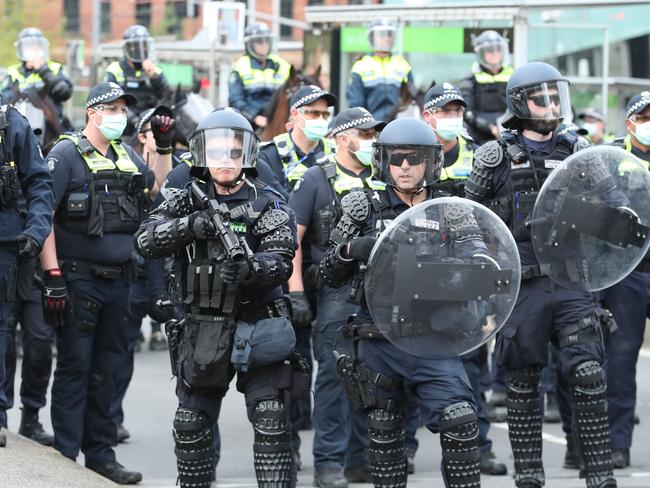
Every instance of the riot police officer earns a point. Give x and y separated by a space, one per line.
21 169
36 70
339 432
507 176
408 159
375 80
443 110
484 89
242 241
138 74
628 300
256 75
101 189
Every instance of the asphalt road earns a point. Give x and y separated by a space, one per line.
150 405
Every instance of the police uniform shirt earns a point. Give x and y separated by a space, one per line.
70 173
269 155
312 193
451 156
35 182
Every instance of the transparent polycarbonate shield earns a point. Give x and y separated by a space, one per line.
443 278
589 226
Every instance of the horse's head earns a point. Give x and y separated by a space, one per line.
188 113
277 111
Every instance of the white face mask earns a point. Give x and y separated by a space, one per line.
642 133
364 153
449 128
591 128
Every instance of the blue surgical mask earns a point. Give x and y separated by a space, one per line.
364 154
642 133
112 126
315 130
449 128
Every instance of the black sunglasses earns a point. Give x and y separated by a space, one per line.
397 159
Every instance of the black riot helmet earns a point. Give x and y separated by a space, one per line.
407 139
491 48
138 44
538 98
31 45
258 40
225 138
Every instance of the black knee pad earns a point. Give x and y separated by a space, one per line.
525 425
272 453
194 448
459 440
387 457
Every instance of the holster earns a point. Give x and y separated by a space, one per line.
173 330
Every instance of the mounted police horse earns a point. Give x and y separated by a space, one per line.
277 111
41 113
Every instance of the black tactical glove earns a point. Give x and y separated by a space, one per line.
162 127
160 309
236 272
55 292
27 247
360 248
59 90
200 224
301 315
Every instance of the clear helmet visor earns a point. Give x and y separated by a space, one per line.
259 46
493 54
33 49
546 101
382 38
407 167
139 49
224 148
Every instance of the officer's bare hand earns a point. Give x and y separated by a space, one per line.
489 325
149 68
261 121
495 131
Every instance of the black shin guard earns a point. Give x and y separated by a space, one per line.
590 404
194 449
386 454
525 425
459 441
272 446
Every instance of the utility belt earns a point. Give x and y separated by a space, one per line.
124 271
531 271
360 383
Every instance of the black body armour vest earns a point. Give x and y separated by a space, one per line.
528 172
490 97
203 290
112 201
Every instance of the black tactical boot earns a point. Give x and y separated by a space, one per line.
3 439
117 473
122 434
621 458
31 428
489 464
